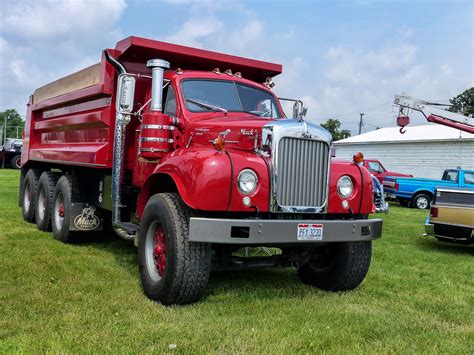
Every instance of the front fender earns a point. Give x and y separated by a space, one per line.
201 176
361 200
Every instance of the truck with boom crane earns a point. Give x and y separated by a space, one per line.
188 154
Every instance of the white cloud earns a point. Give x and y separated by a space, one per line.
43 40
52 19
194 30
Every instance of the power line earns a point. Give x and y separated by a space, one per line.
366 109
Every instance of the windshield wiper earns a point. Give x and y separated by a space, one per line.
209 106
266 113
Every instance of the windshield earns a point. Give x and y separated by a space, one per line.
212 95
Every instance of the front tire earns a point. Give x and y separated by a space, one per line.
173 270
337 266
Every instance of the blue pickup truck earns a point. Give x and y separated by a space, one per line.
419 193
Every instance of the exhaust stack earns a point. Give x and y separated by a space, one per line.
125 230
158 67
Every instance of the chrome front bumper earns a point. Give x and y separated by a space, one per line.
273 232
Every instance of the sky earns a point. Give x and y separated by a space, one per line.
339 57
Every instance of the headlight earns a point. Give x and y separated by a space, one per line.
345 186
247 181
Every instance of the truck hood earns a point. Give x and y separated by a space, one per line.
244 131
241 131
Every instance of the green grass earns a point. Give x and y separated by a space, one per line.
417 297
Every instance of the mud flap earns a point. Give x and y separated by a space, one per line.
85 218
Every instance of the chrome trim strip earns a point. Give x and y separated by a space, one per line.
153 150
156 139
461 190
156 126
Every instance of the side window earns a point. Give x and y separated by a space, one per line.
451 175
170 103
375 167
469 178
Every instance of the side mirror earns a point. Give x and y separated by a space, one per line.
125 94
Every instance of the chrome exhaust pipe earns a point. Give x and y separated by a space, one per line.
158 67
117 165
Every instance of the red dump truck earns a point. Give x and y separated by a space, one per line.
188 153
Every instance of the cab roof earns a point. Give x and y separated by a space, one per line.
139 50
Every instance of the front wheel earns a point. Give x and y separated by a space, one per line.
337 266
173 270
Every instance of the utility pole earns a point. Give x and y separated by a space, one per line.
360 122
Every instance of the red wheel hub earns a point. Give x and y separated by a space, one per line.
159 251
61 210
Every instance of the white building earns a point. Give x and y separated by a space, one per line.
423 151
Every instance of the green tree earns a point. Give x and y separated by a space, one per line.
333 126
13 120
463 102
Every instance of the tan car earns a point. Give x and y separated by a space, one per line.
452 216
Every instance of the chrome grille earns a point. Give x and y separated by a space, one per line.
302 172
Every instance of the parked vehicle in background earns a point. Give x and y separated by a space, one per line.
419 193
10 153
379 196
452 216
192 163
378 170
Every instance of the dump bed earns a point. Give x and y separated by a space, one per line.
71 120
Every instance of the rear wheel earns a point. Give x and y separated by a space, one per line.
28 192
15 162
337 266
173 270
44 200
403 202
421 201
61 209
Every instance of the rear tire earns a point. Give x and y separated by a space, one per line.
28 193
404 202
61 210
421 201
173 270
15 162
337 266
44 200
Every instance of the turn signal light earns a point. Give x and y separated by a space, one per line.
219 144
358 158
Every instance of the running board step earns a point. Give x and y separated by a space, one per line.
126 230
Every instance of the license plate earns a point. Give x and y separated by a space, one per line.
310 232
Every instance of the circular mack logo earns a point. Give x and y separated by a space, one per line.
87 220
